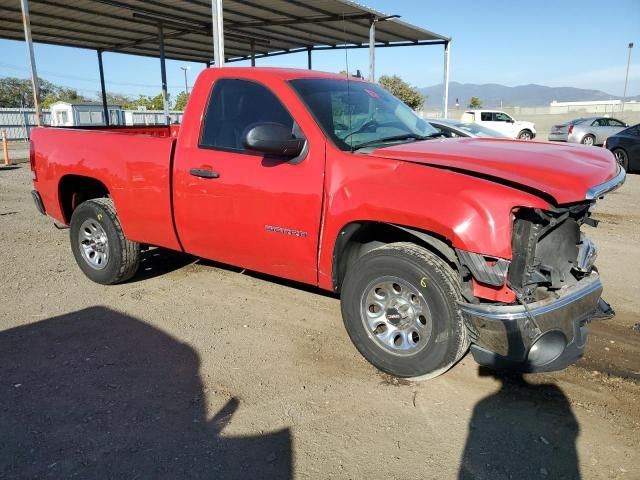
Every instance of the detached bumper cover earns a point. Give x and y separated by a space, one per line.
546 335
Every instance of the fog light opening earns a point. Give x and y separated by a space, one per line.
547 348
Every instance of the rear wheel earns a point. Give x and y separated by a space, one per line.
399 306
99 245
525 135
622 158
588 140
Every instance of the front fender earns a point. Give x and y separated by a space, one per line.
473 214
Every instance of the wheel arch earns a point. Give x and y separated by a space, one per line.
75 189
361 236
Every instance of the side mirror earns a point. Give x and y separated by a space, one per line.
272 139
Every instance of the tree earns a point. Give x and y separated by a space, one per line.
150 103
181 101
62 94
401 89
475 102
127 103
16 92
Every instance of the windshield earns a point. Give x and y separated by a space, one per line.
478 130
355 114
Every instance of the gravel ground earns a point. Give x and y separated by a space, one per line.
195 369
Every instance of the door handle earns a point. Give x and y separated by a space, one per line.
204 173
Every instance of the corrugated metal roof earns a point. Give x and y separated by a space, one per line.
273 26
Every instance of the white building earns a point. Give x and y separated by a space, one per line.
83 114
597 106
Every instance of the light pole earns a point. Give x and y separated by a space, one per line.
626 78
186 85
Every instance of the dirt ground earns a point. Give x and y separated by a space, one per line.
195 369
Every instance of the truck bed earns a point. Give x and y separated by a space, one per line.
134 162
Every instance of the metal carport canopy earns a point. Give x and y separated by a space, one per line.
187 30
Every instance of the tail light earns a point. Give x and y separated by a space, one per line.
570 129
32 161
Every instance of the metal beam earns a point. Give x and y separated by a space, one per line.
217 31
252 44
445 96
163 74
341 47
35 84
309 57
372 50
105 108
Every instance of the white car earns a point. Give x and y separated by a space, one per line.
501 122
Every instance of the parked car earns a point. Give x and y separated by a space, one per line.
588 131
625 146
432 244
455 128
501 122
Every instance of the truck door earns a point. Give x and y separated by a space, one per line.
488 119
504 123
243 208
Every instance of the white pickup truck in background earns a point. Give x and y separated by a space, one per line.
501 122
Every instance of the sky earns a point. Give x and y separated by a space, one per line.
576 43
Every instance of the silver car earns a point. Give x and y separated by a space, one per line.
456 128
588 130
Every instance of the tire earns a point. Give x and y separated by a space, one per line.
98 243
622 158
588 140
373 309
525 135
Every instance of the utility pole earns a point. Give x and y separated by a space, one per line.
186 85
626 78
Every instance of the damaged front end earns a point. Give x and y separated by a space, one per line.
557 292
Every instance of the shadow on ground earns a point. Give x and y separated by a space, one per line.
160 261
98 394
522 431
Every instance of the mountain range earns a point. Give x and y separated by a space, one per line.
532 95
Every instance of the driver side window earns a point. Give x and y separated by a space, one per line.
234 106
503 117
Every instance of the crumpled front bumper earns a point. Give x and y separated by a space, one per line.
544 336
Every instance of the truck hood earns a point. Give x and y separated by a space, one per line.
563 172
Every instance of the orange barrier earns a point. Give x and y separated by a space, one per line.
5 147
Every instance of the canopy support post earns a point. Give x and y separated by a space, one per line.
35 83
105 108
372 50
217 30
445 95
309 57
253 52
163 75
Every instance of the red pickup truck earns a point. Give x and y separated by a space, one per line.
433 244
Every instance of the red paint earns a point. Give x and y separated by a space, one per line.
421 185
498 294
565 172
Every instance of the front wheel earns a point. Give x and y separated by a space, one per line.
525 135
98 243
622 158
399 306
